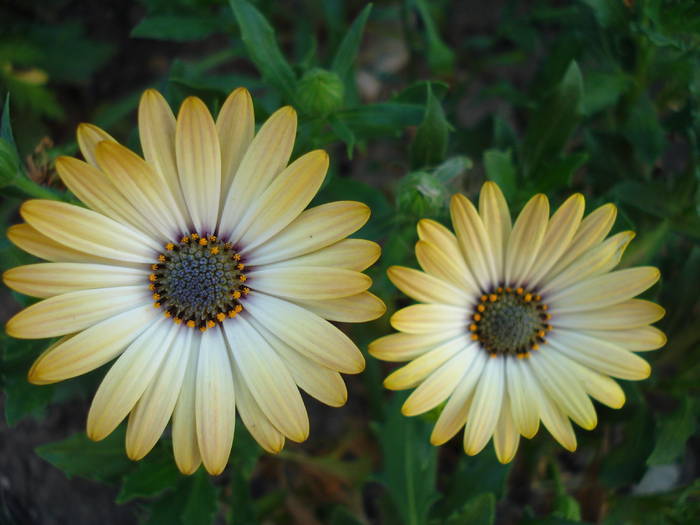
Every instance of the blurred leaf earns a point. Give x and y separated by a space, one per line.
344 133
409 463
440 57
23 399
193 501
499 168
382 119
9 163
644 131
179 28
607 13
154 474
558 173
261 44
565 506
479 510
79 456
673 432
342 516
430 143
245 455
346 54
415 93
6 125
553 121
475 475
603 90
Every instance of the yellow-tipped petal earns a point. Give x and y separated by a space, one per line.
493 209
235 125
526 239
308 282
426 288
359 308
89 136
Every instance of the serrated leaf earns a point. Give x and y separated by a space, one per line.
154 474
409 463
79 456
430 144
553 121
260 42
499 168
347 51
673 432
175 27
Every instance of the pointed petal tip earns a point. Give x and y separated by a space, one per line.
187 468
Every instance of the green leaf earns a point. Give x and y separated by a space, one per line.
558 173
6 125
380 120
553 121
246 453
9 163
179 28
479 510
603 90
342 516
499 168
474 475
153 474
410 463
430 144
200 505
644 131
565 506
23 399
346 54
261 44
440 57
78 456
673 432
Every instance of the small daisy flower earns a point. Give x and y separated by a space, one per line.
200 270
519 323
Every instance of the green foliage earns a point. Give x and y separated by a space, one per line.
414 100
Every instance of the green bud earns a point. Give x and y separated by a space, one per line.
421 194
320 92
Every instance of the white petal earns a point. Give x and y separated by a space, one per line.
440 384
600 387
600 259
215 408
600 355
403 347
505 437
268 379
319 340
628 314
91 348
604 290
151 414
425 318
454 414
485 408
642 339
413 373
128 379
184 427
74 311
314 229
521 396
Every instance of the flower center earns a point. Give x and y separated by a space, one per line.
199 281
509 321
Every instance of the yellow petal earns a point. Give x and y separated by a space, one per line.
89 136
526 239
486 407
264 159
493 209
628 314
505 438
560 231
593 229
426 288
308 282
198 163
475 244
642 339
235 125
314 229
49 279
351 254
604 290
89 231
282 201
403 347
358 308
425 318
454 271
74 311
184 427
215 409
521 390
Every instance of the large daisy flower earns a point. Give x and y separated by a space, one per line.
201 270
519 322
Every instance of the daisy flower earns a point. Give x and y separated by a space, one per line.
200 270
519 323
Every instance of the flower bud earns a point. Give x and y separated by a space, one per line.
421 194
320 92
